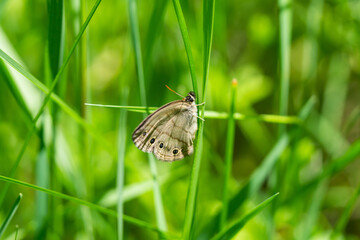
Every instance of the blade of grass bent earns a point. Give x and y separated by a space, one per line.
135 37
232 230
66 108
94 206
229 149
10 215
47 98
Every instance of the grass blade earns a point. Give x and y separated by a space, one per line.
121 164
216 115
135 37
310 51
186 39
337 84
229 149
285 19
10 215
312 214
15 90
55 11
42 203
232 230
208 24
155 25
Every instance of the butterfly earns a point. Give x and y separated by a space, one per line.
169 132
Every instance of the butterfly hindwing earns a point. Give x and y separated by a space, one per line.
169 131
176 140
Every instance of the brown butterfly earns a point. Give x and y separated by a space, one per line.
169 132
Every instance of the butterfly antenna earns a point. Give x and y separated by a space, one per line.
174 91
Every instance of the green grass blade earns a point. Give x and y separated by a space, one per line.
55 13
96 207
155 25
135 37
41 200
208 29
346 214
121 163
310 50
336 85
12 212
215 115
232 230
285 19
15 91
208 23
229 149
186 39
47 98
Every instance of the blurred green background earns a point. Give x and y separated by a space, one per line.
311 157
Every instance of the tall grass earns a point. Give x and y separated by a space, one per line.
280 163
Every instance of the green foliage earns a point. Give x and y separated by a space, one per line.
76 78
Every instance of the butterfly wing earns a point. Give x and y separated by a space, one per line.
151 126
176 139
174 125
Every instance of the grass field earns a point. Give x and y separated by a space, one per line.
277 156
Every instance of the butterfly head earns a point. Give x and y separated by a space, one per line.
190 97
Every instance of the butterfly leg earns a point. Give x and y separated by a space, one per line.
199 117
200 104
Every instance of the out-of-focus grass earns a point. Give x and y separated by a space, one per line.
228 154
134 26
296 118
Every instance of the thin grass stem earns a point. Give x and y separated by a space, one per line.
135 37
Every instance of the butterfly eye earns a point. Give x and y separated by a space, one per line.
152 140
175 151
161 145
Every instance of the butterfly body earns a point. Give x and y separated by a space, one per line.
169 131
